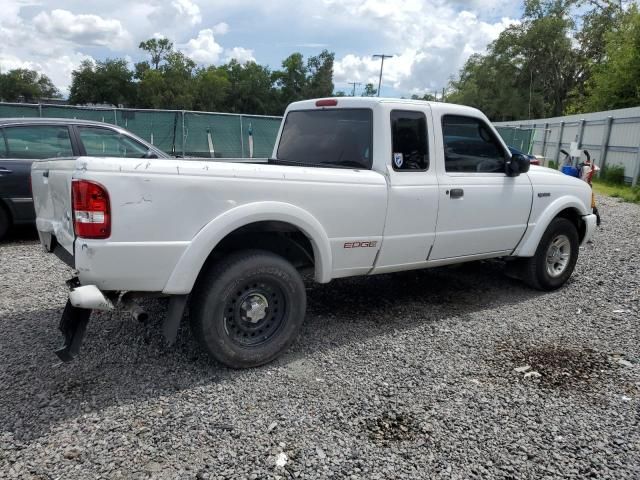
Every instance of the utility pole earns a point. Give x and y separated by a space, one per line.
353 94
381 56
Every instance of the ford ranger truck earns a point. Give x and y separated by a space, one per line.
355 186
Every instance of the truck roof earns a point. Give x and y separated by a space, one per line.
364 102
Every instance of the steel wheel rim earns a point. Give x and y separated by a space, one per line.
558 255
255 312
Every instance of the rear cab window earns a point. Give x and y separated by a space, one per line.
340 138
38 141
410 151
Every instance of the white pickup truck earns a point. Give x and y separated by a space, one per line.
356 186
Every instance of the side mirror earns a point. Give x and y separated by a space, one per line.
516 165
150 154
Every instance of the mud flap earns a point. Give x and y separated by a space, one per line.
73 326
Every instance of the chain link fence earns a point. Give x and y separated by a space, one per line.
176 132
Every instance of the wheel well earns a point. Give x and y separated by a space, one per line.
574 217
281 238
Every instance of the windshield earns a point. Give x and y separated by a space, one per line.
330 138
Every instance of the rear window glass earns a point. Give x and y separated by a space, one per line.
327 138
38 141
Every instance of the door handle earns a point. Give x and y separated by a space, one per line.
5 171
456 193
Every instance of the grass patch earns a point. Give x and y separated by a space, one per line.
624 192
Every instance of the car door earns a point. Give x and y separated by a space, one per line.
22 145
482 211
412 205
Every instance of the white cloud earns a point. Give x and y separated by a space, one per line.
221 28
81 29
430 42
203 49
242 55
430 39
188 9
58 69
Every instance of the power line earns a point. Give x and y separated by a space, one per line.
381 56
354 87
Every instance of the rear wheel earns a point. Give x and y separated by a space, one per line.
555 257
5 222
248 308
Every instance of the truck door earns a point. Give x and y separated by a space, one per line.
482 210
412 193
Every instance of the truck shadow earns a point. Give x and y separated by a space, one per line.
20 233
124 362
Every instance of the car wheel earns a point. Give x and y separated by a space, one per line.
555 257
247 309
5 222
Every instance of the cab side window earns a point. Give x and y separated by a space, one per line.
38 141
410 150
470 146
103 142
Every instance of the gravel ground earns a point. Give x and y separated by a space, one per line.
410 375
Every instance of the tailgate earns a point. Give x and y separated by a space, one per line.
51 185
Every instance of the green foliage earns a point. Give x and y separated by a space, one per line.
546 66
613 174
158 49
616 79
109 82
528 70
27 85
369 91
171 80
250 89
623 192
552 164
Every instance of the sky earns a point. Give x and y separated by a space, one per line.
430 39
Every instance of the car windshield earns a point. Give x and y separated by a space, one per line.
330 138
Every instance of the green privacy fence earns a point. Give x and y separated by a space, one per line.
520 138
177 132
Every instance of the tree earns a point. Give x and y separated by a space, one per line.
528 71
171 86
211 89
28 85
250 89
291 81
369 91
596 24
109 81
158 49
616 80
319 82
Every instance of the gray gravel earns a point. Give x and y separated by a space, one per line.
398 376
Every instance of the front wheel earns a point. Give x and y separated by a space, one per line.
555 257
248 308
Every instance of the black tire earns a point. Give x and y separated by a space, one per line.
247 309
5 222
537 270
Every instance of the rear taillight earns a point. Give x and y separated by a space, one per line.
91 209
